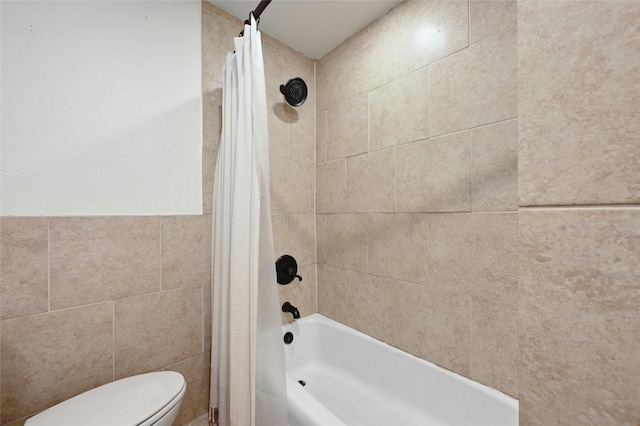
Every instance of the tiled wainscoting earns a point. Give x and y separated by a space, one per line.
88 300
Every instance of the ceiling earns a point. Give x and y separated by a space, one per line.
313 27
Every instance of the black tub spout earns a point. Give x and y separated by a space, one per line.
288 307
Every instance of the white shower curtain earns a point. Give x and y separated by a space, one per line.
248 384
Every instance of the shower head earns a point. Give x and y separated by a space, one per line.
295 91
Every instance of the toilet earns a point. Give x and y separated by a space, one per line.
142 400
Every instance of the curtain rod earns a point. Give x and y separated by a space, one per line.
257 12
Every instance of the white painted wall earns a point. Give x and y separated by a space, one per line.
100 108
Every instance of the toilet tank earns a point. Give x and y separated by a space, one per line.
133 401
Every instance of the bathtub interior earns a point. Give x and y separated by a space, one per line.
361 381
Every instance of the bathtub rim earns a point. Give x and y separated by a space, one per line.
495 394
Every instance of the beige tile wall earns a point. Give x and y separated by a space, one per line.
493 245
578 84
98 300
87 300
417 224
555 324
579 316
579 179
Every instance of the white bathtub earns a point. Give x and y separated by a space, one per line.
353 379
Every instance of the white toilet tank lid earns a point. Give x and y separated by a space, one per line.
125 402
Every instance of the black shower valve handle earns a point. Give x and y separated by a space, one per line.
293 273
286 269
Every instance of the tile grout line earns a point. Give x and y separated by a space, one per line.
367 246
475 295
470 172
315 180
113 340
468 23
582 207
469 45
344 94
396 36
326 137
470 335
395 179
429 107
368 123
160 252
346 193
288 156
469 129
202 318
431 137
48 264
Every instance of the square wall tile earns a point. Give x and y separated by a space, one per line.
206 318
399 111
331 192
434 175
276 67
475 86
371 185
331 79
291 187
220 13
195 402
372 305
186 251
48 358
321 238
212 115
371 56
217 40
100 258
321 137
280 228
302 238
331 293
300 65
494 167
579 322
397 246
475 253
302 134
283 63
279 116
579 98
487 18
347 129
209 159
24 276
428 31
494 345
155 330
434 324
347 241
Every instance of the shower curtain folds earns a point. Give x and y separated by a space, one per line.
248 384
